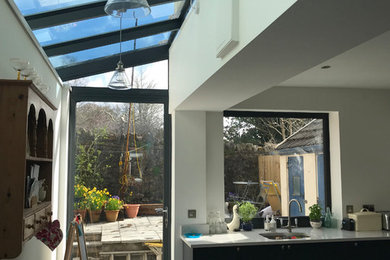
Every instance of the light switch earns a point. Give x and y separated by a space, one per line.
192 213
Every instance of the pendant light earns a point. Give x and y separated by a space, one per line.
124 9
127 8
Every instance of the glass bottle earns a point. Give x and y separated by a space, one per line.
220 224
328 218
212 222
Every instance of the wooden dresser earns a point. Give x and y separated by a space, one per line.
26 141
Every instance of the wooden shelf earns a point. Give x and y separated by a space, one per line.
40 206
38 159
27 116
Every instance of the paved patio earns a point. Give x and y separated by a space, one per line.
130 230
106 239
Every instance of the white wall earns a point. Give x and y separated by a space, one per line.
215 162
360 171
197 169
193 53
17 43
188 173
62 177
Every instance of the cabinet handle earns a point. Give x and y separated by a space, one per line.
44 218
283 247
49 213
38 221
355 244
29 226
288 247
238 249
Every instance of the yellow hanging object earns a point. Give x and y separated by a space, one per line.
135 146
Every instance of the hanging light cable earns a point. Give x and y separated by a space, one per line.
119 80
124 9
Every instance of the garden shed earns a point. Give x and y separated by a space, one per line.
297 165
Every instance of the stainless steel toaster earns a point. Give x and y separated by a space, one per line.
385 220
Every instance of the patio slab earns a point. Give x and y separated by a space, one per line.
136 230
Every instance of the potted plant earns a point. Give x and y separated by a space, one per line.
112 207
80 203
96 200
315 216
247 211
131 208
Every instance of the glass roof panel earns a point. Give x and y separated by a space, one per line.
28 7
108 50
99 25
150 76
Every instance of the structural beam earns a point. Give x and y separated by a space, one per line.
112 37
183 13
74 14
107 64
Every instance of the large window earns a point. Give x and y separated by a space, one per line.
271 158
119 150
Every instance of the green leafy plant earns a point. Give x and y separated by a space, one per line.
90 163
114 203
247 211
315 212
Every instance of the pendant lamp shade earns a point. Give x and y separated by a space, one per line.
119 80
127 8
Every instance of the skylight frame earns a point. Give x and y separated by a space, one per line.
101 65
75 13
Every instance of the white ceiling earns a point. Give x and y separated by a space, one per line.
352 36
365 66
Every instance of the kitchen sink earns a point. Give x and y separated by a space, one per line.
284 235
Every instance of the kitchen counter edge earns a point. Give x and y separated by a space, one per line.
250 238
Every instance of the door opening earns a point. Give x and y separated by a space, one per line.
120 161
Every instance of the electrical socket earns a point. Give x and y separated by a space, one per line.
192 213
349 209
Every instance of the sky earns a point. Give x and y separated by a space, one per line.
156 73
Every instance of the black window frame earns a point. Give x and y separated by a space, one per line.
326 143
100 94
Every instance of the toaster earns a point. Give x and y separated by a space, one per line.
385 220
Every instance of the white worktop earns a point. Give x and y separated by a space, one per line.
246 238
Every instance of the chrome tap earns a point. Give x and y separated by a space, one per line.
289 227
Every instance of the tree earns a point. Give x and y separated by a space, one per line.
149 134
90 164
261 130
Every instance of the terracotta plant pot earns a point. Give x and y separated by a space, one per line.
132 210
94 215
111 215
82 212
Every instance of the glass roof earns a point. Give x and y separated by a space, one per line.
109 50
67 24
151 76
28 7
104 24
